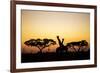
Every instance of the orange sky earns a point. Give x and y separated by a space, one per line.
49 24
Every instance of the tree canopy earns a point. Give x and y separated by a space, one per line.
40 43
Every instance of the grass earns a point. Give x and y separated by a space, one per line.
45 57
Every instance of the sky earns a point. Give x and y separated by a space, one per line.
48 24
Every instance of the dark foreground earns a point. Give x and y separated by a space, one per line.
44 57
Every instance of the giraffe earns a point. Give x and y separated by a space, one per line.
60 42
61 47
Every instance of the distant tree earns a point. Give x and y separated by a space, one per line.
72 44
80 44
40 43
83 43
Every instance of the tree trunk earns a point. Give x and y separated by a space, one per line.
39 49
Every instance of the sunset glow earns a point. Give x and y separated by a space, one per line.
49 24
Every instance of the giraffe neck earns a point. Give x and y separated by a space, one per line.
60 42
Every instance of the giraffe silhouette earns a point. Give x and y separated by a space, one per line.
61 48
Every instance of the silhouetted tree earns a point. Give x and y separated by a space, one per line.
72 44
83 43
79 44
40 43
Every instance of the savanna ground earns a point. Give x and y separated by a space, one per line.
44 57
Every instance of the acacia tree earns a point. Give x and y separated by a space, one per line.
79 43
40 43
83 43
